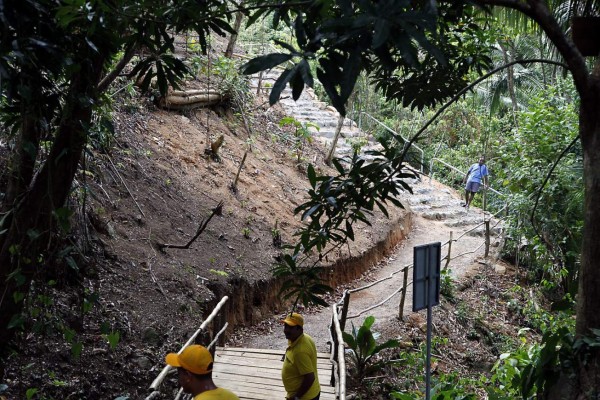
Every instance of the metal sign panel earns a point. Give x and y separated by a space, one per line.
426 275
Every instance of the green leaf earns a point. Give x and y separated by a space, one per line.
279 85
76 349
286 46
17 321
264 62
30 393
312 175
310 211
349 230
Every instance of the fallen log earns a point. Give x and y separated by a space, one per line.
188 101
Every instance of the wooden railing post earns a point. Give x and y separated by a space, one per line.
341 362
345 304
403 297
259 85
449 252
487 237
334 345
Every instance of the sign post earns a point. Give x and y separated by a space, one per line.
426 292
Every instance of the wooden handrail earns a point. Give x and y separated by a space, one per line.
341 383
165 370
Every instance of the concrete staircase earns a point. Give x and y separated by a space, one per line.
308 109
430 199
435 201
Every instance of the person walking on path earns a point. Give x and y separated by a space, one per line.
477 173
194 366
299 371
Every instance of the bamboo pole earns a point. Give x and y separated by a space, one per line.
336 136
334 348
166 369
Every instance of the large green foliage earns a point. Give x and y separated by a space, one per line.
548 213
418 52
55 62
363 349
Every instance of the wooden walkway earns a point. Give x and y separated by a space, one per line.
255 374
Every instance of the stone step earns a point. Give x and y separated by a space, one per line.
308 109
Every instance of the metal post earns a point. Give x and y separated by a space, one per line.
428 360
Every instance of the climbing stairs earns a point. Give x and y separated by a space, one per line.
309 109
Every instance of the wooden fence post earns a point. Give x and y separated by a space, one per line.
449 251
403 297
345 305
487 237
259 84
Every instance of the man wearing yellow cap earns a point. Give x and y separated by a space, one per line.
299 371
194 365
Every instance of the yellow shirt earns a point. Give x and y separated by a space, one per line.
300 359
217 394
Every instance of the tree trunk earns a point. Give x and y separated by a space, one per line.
510 79
22 164
338 131
588 299
29 233
236 27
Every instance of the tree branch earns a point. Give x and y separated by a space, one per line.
203 224
539 12
112 75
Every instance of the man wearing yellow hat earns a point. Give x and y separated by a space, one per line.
299 371
194 365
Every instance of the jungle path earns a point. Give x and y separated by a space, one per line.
437 212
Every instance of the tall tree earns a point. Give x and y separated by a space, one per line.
55 61
587 384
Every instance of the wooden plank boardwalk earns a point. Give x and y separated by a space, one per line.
255 374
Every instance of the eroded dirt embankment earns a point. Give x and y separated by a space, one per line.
251 302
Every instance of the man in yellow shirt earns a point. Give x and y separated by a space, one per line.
299 371
194 365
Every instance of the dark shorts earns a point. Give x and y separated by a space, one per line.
472 186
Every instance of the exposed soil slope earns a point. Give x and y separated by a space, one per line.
157 186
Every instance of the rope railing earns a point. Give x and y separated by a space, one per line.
407 267
361 113
458 171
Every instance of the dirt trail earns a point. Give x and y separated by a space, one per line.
437 212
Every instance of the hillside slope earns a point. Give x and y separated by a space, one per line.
158 186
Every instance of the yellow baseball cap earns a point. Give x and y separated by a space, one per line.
293 319
195 358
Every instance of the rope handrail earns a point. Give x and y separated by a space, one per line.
457 170
380 280
395 134
376 305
